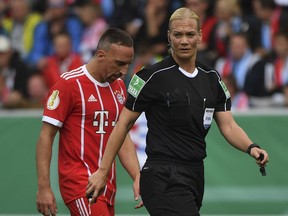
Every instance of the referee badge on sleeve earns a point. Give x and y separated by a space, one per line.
227 93
135 85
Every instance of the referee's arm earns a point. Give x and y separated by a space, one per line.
237 137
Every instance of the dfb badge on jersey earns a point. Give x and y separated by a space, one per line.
53 100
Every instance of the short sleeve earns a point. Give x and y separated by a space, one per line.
59 103
141 91
223 98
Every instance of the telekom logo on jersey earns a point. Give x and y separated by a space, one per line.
101 121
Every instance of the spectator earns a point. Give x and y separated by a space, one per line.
37 91
126 15
57 19
239 60
94 26
283 3
246 7
267 82
271 19
3 10
21 25
14 74
154 26
63 60
107 7
239 99
39 5
228 16
231 20
3 6
207 21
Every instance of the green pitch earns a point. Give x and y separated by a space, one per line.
234 185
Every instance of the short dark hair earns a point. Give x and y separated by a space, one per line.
114 36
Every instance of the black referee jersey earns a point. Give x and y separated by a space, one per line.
179 108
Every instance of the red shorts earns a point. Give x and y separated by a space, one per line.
81 207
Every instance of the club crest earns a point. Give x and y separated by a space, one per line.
120 97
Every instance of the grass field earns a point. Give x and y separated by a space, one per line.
234 185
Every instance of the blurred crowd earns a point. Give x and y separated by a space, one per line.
246 41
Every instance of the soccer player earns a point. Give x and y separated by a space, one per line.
84 106
180 98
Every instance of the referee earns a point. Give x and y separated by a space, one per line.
180 98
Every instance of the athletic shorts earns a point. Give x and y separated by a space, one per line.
171 189
81 207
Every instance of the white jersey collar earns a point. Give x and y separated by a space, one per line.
92 78
190 75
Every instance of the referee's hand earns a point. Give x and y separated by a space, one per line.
96 185
261 161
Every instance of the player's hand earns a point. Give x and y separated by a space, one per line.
46 202
255 152
136 189
96 185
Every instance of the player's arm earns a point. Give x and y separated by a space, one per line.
98 179
129 160
128 157
46 202
237 137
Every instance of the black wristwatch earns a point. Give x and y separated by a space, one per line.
253 145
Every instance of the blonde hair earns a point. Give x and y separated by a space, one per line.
184 13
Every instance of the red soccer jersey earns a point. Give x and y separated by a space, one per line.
86 112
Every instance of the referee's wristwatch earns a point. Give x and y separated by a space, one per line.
253 145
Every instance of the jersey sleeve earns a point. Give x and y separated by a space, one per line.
223 98
141 91
59 103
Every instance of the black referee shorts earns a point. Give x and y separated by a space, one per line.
172 189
